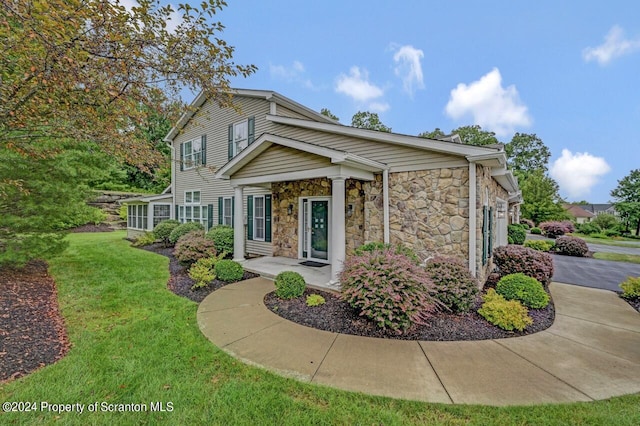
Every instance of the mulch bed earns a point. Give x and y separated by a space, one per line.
337 316
101 227
32 331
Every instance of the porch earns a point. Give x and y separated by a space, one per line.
270 266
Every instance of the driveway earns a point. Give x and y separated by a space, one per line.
593 273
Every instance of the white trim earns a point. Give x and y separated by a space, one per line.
194 163
223 213
337 252
238 224
302 232
472 220
233 136
306 174
264 217
385 205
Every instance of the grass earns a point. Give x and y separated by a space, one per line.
618 241
617 257
135 342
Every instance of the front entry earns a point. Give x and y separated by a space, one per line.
315 228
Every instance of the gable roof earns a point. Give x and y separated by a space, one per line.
577 211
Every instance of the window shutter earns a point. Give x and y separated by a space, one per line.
209 216
250 217
233 210
267 218
204 149
484 234
230 151
251 124
181 157
177 216
220 210
490 251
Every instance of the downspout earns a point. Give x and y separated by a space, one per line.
472 218
173 180
385 206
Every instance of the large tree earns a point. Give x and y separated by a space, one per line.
470 135
627 199
368 120
527 153
542 201
327 113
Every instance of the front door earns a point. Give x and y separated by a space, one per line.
315 227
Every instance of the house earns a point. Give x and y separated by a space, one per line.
598 209
294 183
578 212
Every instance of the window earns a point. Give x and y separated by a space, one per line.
241 135
192 211
258 218
161 212
137 216
227 216
192 153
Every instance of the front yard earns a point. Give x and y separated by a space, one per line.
134 342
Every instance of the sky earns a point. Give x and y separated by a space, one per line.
567 71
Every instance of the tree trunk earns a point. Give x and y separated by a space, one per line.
638 228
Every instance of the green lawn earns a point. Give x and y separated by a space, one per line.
617 257
135 342
620 242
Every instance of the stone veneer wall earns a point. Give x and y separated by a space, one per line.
484 181
428 211
285 226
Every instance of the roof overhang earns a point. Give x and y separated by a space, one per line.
146 199
506 179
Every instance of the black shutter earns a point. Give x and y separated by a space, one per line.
490 251
267 218
177 217
251 124
209 216
220 210
204 149
233 210
230 150
250 217
181 157
485 229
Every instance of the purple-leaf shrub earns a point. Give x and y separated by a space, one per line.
192 247
556 229
527 222
455 287
571 246
512 259
388 288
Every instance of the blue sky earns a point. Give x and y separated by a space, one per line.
567 71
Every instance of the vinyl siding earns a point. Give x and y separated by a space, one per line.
399 158
272 161
286 112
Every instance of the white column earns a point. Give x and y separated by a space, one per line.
338 237
472 219
238 225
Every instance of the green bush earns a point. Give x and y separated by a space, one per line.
631 288
202 273
192 247
589 228
517 234
229 270
184 229
611 232
529 223
539 245
222 237
389 288
525 289
399 249
454 285
536 231
289 285
315 300
599 236
163 230
571 246
144 239
506 314
605 221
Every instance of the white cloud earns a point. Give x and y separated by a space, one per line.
409 68
492 106
378 106
614 46
174 19
578 173
293 73
356 85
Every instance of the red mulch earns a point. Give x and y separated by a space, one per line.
32 331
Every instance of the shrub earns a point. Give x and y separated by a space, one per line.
536 231
539 245
527 222
454 285
525 289
605 221
398 249
611 232
184 229
517 234
144 239
631 288
202 272
506 314
163 230
229 270
315 300
388 288
589 228
222 237
571 246
568 226
514 259
555 229
192 247
289 285
599 235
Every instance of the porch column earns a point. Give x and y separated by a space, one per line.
338 238
238 224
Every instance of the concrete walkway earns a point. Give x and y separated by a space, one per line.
591 352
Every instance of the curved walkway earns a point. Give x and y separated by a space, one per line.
591 352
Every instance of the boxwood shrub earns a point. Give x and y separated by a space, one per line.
228 270
289 285
506 314
454 285
517 234
536 231
222 237
631 288
513 259
571 246
539 245
184 229
163 230
525 289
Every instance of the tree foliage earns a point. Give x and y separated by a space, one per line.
627 199
527 153
542 201
93 70
435 134
368 120
327 113
470 135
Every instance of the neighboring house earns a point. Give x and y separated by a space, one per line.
598 209
297 184
145 212
579 213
